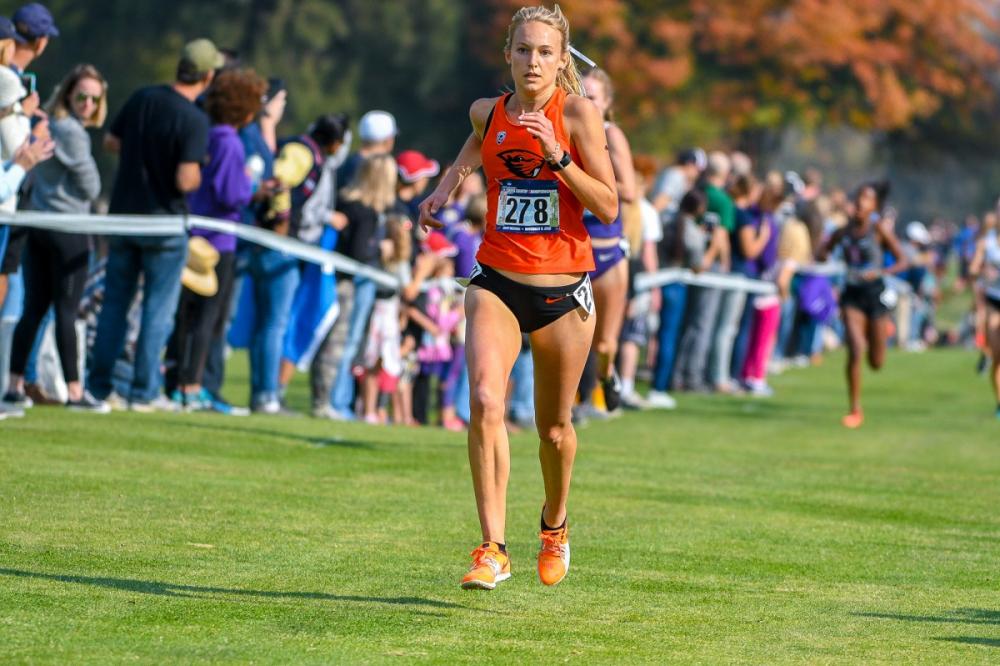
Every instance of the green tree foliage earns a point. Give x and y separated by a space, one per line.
710 72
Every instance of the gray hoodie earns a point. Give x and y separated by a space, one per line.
69 182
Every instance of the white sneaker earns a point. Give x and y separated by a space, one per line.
10 411
660 400
160 403
116 402
634 401
759 388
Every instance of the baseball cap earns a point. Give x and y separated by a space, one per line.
34 20
11 88
201 57
917 232
414 165
8 31
377 126
437 243
694 156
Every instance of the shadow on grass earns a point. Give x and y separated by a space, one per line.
976 616
972 640
334 440
194 591
957 616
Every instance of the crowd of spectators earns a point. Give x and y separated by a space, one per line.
145 322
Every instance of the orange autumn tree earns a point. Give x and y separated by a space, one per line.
760 64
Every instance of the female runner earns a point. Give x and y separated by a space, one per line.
986 266
545 158
866 301
610 277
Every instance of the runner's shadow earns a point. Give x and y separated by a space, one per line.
976 616
334 440
198 592
972 640
957 616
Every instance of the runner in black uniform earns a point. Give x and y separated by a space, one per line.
866 299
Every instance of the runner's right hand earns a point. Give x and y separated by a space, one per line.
428 207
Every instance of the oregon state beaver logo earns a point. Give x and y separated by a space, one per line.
522 163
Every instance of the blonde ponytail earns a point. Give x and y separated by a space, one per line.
569 78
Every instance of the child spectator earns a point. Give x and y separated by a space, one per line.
383 360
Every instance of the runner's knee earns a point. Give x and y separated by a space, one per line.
606 347
554 434
487 405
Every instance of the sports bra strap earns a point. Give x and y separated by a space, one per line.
489 118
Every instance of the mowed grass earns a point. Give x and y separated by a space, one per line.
730 531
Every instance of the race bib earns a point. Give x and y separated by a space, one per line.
464 282
528 207
584 297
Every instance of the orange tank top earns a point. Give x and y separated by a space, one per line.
534 222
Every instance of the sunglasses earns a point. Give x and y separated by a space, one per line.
83 97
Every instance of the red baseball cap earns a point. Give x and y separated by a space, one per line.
437 243
414 165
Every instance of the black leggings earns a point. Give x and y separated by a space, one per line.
55 272
199 320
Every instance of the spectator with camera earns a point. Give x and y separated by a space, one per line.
19 156
56 263
24 38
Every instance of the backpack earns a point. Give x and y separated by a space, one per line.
815 297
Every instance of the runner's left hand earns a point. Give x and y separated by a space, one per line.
541 128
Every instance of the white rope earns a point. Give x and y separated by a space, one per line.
645 281
174 225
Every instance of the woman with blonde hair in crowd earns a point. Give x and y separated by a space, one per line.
543 151
56 262
758 241
365 202
382 356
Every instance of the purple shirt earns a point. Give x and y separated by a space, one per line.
467 241
225 186
769 255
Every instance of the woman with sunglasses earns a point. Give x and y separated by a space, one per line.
55 267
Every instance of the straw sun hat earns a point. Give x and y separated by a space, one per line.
199 273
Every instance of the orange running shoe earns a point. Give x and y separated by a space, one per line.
553 558
853 420
490 566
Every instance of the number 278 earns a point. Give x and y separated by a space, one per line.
540 210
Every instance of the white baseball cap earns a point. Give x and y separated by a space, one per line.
11 88
917 232
377 126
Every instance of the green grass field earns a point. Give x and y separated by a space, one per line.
730 531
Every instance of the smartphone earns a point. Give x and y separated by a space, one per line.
274 86
29 81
